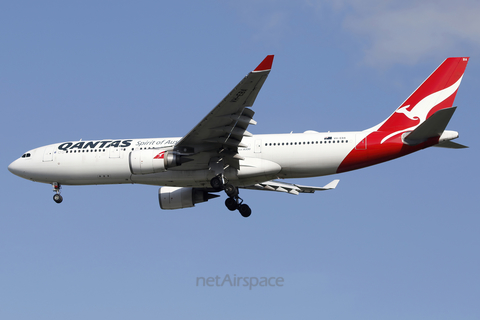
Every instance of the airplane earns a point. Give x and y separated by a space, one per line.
219 154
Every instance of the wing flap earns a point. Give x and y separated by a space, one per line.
295 189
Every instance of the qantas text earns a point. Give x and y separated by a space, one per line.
95 144
115 144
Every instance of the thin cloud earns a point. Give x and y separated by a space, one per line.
268 20
387 31
272 27
402 32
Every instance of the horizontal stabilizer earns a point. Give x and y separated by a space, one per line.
291 188
450 145
430 128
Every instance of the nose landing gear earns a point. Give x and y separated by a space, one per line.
57 197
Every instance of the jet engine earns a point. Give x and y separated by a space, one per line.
171 198
152 161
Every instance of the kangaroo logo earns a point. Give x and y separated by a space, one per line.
407 113
161 155
422 108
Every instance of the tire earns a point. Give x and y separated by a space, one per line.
216 183
57 198
245 210
230 190
231 204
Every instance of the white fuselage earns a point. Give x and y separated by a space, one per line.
220 154
266 157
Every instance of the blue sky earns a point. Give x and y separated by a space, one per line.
395 241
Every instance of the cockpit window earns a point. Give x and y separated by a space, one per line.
26 155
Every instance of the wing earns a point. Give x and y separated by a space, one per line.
291 188
220 133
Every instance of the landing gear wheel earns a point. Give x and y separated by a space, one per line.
56 188
216 183
57 198
245 210
230 190
231 204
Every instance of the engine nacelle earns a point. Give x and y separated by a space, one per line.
152 161
171 198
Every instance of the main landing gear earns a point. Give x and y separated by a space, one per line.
233 202
56 188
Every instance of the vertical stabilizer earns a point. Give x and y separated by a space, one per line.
418 123
434 94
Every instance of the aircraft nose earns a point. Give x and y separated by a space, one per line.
16 168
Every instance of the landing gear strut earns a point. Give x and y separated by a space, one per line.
233 202
56 188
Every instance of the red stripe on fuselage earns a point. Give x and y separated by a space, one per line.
377 152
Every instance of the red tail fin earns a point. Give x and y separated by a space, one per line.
388 141
435 93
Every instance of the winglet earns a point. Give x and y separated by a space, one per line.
265 65
331 185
